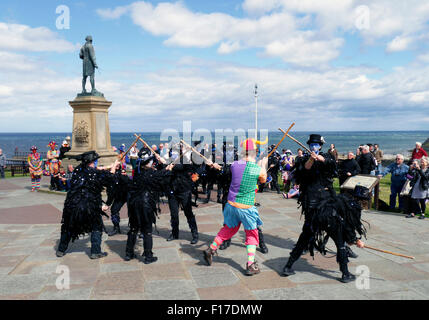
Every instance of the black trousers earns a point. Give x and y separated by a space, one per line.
417 206
307 235
146 230
185 200
275 181
97 231
114 211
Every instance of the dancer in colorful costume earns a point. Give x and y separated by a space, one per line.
240 208
54 165
35 164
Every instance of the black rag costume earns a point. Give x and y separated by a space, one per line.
144 191
82 208
117 195
326 214
180 194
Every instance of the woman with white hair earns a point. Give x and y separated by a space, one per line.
419 187
418 152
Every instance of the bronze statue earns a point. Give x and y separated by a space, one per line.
87 54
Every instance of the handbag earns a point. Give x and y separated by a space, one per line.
406 189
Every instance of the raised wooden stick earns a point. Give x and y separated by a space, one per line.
289 136
196 151
389 252
284 136
134 143
153 151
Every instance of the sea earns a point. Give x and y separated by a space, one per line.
391 142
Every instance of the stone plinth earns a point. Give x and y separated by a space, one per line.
91 128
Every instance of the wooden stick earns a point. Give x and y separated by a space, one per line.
284 136
196 151
389 252
153 151
134 143
289 136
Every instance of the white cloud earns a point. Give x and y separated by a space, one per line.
16 62
184 28
113 14
398 44
19 37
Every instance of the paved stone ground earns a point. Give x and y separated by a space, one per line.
29 232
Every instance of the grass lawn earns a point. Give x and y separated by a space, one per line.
384 190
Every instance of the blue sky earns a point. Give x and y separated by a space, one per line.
326 65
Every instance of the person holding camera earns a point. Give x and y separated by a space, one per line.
399 172
419 187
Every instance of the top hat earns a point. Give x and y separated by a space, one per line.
316 138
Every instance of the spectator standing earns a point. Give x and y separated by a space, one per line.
54 165
399 172
134 151
65 147
348 168
366 161
333 152
287 165
419 187
378 154
418 152
66 177
2 163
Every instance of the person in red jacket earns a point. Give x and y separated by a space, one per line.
418 152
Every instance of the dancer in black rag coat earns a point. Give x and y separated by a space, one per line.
326 214
144 189
117 196
82 211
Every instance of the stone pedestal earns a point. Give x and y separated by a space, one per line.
91 128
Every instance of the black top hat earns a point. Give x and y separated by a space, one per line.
87 157
145 156
316 138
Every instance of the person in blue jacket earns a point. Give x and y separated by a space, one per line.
399 171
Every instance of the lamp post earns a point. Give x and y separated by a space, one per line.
256 111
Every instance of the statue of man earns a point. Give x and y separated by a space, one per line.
87 54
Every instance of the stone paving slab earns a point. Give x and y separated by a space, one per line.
28 265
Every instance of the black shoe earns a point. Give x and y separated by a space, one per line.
149 258
350 253
173 237
208 255
219 200
263 248
194 238
252 269
129 256
194 204
206 200
257 204
347 277
409 216
98 255
116 230
60 254
287 271
422 216
225 245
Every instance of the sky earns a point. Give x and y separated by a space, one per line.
326 65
